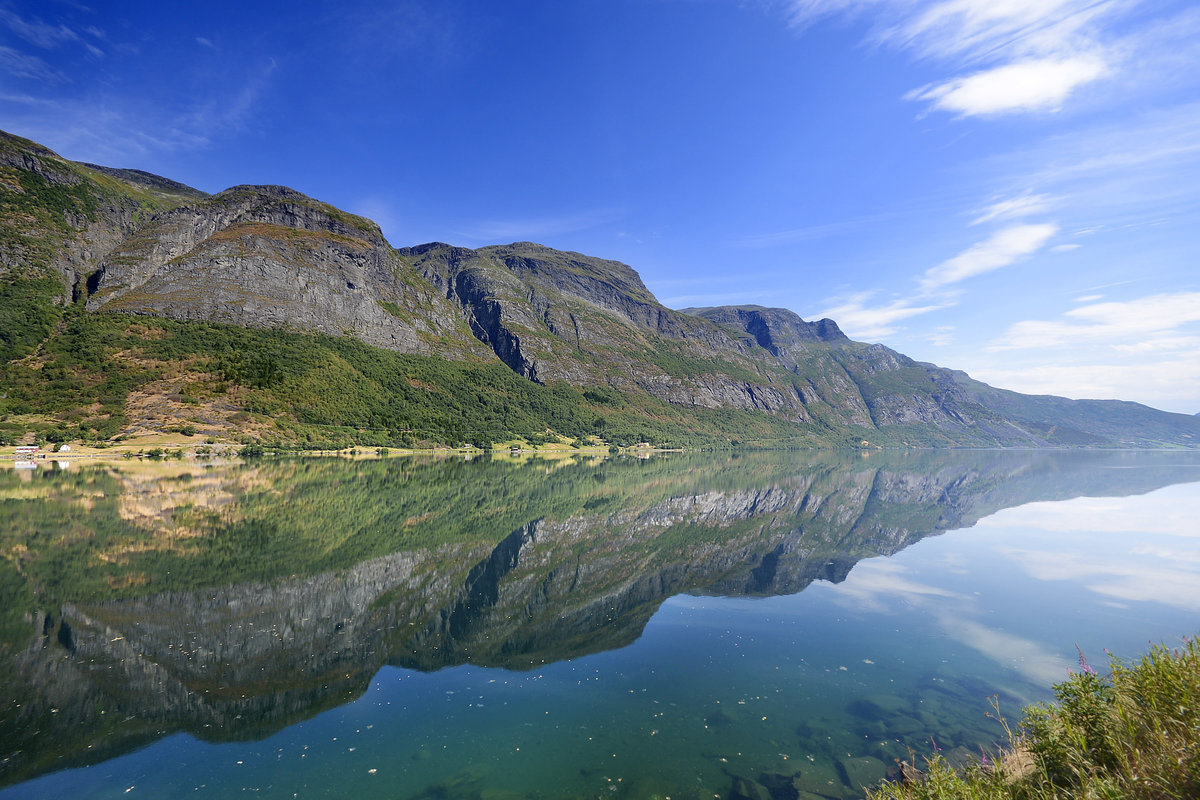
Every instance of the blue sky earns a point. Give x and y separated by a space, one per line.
1009 187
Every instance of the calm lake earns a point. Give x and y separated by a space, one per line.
684 626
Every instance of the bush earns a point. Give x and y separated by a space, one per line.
1134 733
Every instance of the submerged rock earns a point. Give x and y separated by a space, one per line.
862 771
746 789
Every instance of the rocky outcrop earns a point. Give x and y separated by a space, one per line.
560 316
268 256
780 332
63 218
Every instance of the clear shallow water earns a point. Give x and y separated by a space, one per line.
670 640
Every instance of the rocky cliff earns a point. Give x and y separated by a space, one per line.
124 241
268 256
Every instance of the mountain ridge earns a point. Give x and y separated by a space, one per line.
79 241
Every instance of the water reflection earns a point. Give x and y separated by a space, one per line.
232 601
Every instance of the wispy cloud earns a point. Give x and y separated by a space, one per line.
118 131
231 108
35 31
204 42
1001 249
1034 53
861 315
1031 85
534 228
381 211
859 318
23 65
1014 208
1116 323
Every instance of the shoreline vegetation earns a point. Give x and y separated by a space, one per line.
1131 734
160 448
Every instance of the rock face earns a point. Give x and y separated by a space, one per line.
271 257
553 315
268 256
63 218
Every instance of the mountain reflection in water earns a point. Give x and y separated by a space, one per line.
231 601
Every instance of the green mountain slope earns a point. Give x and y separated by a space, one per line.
131 303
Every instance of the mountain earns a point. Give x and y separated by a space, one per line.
154 304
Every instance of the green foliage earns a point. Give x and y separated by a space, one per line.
27 313
324 390
604 396
61 200
1134 733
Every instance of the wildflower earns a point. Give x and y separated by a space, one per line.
1083 664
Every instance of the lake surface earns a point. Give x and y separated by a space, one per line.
680 626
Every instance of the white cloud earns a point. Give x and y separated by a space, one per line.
862 321
1065 248
1031 85
1003 248
1026 55
1014 208
204 42
1116 323
1160 344
1172 384
877 584
975 28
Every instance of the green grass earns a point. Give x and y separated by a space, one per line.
1134 733
323 390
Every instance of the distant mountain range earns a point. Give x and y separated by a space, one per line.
118 290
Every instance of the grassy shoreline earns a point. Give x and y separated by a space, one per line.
1131 733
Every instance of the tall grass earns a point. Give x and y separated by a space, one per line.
1134 733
